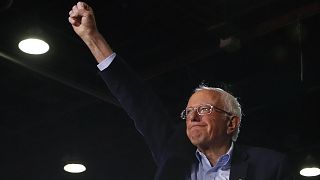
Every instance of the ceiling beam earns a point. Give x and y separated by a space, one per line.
66 82
246 34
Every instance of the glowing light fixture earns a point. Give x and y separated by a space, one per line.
33 46
310 172
74 168
310 166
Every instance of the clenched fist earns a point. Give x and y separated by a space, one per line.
82 19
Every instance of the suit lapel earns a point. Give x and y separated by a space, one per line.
239 164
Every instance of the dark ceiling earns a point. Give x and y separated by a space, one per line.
55 107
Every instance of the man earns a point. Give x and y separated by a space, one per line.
212 121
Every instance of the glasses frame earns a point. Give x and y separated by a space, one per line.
183 114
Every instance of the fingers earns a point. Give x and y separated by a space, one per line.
73 21
74 16
82 5
80 9
77 12
74 11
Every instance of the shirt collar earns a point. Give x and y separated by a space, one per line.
224 162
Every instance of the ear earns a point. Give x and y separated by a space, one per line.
233 124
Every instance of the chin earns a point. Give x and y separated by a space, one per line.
196 140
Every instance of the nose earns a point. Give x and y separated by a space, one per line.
194 117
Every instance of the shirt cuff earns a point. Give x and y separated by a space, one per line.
106 62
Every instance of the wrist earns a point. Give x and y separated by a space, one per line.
97 45
90 36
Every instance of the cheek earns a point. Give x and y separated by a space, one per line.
214 128
188 131
211 126
211 130
187 127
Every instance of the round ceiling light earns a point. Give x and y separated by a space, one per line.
74 168
33 46
310 172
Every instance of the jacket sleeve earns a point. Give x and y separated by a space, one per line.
142 105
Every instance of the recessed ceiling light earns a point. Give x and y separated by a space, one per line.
309 172
74 168
33 46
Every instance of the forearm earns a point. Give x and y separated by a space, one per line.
98 46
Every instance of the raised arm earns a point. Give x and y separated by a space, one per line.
150 116
83 22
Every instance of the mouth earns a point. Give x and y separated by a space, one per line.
197 126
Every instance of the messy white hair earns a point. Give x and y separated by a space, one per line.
231 104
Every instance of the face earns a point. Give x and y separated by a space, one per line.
210 129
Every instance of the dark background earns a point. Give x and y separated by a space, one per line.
55 107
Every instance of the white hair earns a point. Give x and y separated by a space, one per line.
231 104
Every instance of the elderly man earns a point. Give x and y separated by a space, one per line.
212 119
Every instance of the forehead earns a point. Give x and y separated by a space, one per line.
204 97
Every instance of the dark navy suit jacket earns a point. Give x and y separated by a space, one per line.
170 147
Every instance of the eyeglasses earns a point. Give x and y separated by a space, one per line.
202 110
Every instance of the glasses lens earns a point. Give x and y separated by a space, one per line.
204 109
